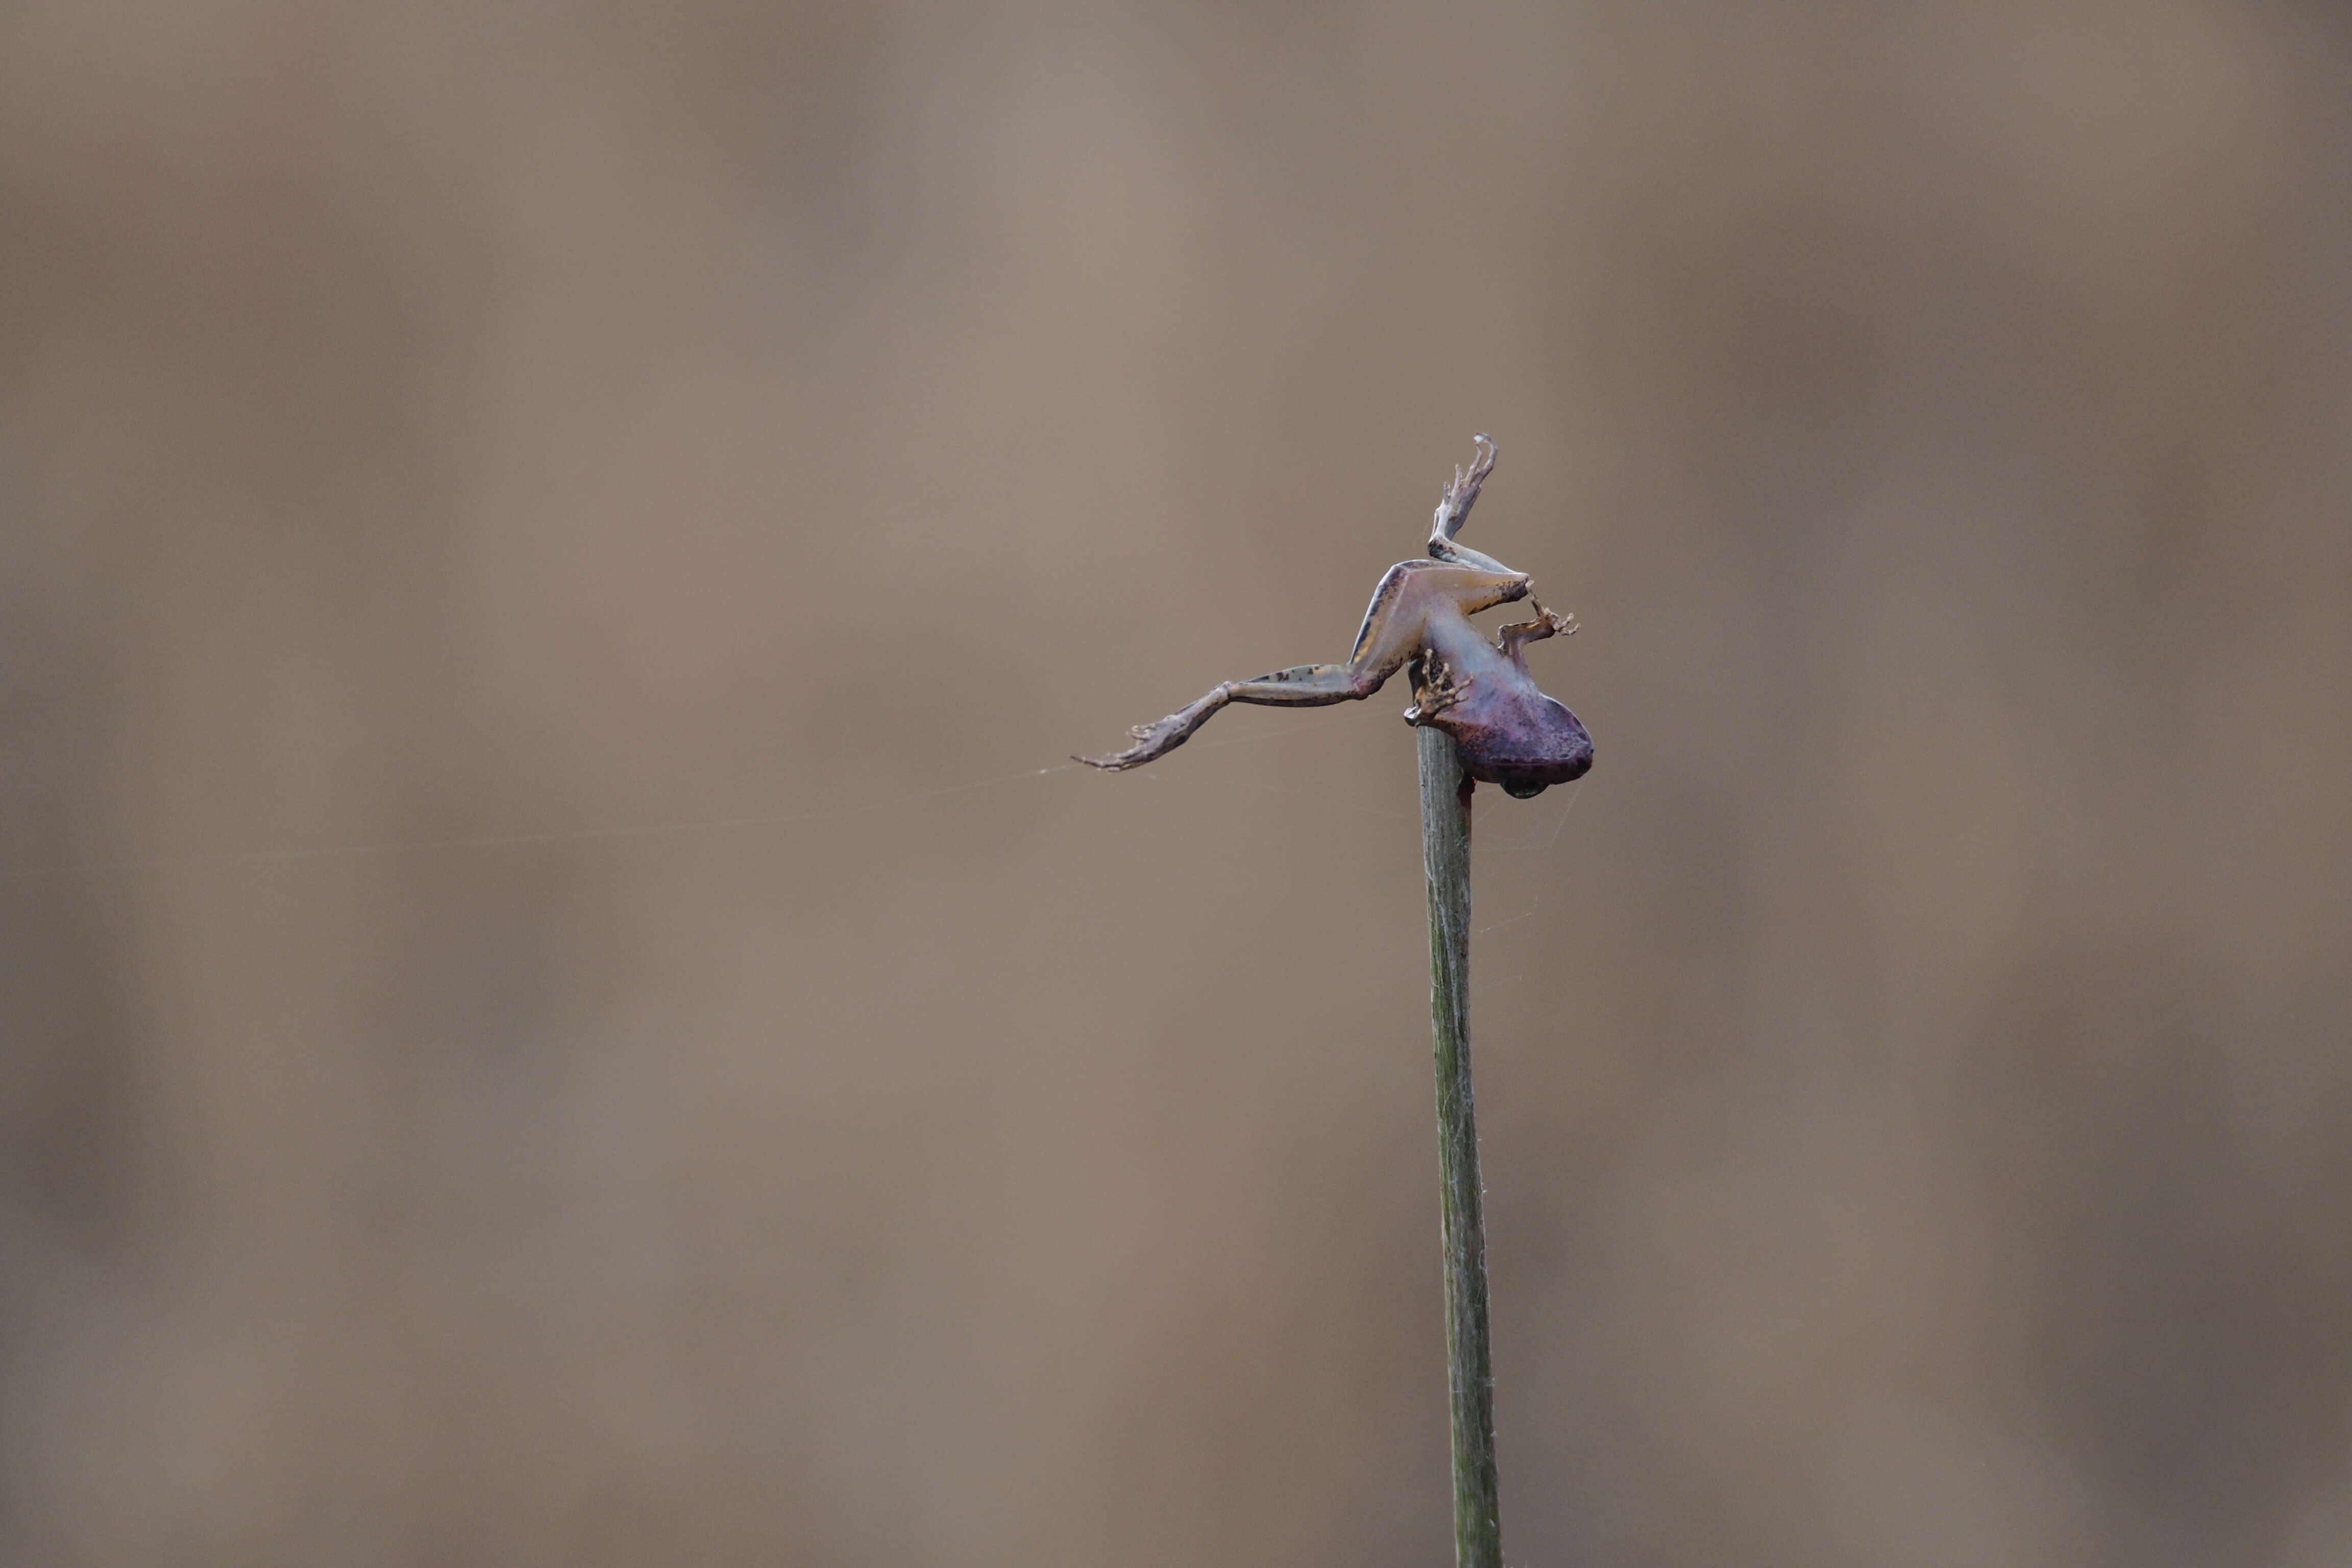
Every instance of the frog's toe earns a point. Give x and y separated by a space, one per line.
1150 740
1118 760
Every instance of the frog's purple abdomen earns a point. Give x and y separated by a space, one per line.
1511 734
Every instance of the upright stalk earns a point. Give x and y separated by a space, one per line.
1446 853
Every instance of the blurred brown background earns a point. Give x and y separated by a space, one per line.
1918 1101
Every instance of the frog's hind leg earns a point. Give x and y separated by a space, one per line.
1301 686
1410 593
1389 636
1454 511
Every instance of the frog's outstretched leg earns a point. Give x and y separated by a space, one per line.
1513 639
1301 686
1390 634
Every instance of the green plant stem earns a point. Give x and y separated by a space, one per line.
1446 853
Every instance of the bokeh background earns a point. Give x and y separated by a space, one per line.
560 1008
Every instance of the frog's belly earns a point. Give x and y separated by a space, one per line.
1523 741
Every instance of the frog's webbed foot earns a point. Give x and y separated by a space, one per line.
1453 510
1155 740
1513 639
1454 505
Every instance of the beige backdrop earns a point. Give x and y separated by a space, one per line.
761 441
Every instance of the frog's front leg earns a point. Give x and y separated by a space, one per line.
1513 639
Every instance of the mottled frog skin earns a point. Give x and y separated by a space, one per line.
1506 731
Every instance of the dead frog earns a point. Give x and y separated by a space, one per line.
1506 732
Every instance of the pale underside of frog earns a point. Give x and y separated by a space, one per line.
1505 731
